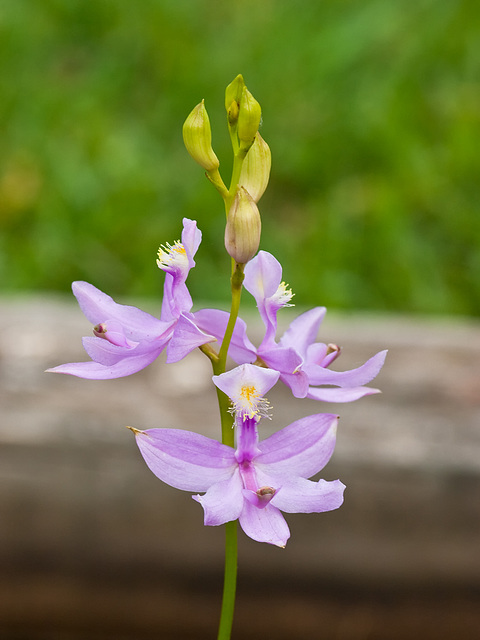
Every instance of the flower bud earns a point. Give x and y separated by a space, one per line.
256 168
249 116
233 93
242 232
232 113
197 136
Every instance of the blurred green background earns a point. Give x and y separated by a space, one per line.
371 109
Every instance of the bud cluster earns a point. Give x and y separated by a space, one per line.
251 166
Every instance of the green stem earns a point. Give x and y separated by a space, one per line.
230 581
228 438
220 365
238 158
228 433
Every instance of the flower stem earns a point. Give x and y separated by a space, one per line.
228 432
220 365
228 438
229 582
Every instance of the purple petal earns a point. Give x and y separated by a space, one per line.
263 274
264 525
301 449
303 330
176 297
298 383
299 495
186 460
214 322
186 337
191 238
288 362
96 371
340 394
109 354
233 382
223 501
98 307
352 378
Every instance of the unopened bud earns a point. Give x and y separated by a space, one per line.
249 117
232 113
256 168
233 93
242 232
197 136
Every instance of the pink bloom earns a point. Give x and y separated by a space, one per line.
127 339
301 362
258 480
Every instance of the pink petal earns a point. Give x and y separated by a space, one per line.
98 307
176 298
340 394
96 371
232 382
352 378
264 525
303 330
263 274
298 495
223 501
214 322
186 337
191 238
108 354
186 460
288 362
301 449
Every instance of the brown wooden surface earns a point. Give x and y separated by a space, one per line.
93 546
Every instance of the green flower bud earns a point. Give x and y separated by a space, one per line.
256 168
249 116
233 93
197 136
242 232
232 113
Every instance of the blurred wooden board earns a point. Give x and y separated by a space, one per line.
93 545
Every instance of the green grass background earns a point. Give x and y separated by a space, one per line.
371 109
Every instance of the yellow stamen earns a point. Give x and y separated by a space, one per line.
250 403
171 254
249 393
283 295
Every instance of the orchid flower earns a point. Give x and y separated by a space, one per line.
258 480
127 339
301 362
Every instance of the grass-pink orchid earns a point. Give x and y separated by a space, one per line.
127 339
258 480
301 362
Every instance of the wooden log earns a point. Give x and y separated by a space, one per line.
93 545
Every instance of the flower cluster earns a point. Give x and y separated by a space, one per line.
243 477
